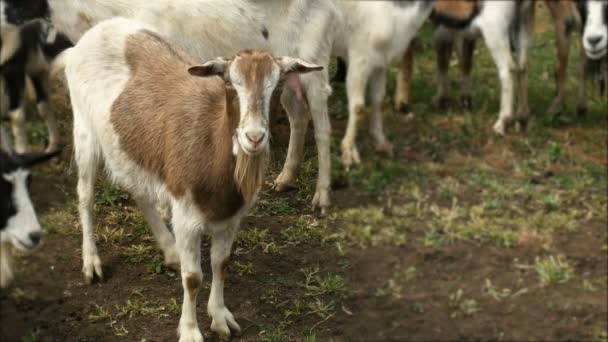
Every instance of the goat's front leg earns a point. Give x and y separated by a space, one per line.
165 240
583 77
6 269
444 45
377 93
356 85
188 244
467 54
318 90
524 40
563 30
404 81
497 40
45 113
222 237
298 124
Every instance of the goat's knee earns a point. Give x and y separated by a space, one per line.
192 283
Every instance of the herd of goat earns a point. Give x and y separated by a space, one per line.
173 99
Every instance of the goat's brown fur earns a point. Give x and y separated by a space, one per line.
180 128
457 9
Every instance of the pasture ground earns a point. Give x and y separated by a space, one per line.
463 235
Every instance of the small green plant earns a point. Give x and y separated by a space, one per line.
555 152
458 304
552 270
551 203
246 268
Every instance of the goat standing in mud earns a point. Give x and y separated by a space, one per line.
167 129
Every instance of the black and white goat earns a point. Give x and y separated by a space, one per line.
27 50
170 130
506 27
19 225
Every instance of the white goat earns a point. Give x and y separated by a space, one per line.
375 35
168 129
209 28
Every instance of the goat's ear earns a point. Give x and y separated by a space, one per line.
295 65
216 67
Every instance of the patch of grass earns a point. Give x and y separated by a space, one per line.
257 238
32 336
305 229
600 335
494 292
370 226
109 195
460 305
316 285
553 270
246 268
395 284
274 334
137 253
155 265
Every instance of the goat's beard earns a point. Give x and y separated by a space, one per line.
249 172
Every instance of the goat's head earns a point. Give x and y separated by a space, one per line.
595 35
17 12
254 75
18 222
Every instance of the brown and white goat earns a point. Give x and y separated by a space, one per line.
170 130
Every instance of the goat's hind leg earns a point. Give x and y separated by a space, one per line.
86 154
15 85
377 93
222 237
299 116
165 240
356 83
46 114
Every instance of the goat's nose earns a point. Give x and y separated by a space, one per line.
255 137
35 237
594 40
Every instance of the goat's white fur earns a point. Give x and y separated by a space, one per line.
375 35
207 29
595 27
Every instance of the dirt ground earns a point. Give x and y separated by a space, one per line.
461 236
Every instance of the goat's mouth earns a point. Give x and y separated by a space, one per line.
596 54
25 246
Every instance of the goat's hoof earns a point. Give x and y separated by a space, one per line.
223 322
350 157
499 128
441 102
192 334
581 111
283 182
466 101
91 267
321 199
385 148
521 125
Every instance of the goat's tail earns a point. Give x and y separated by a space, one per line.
58 85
